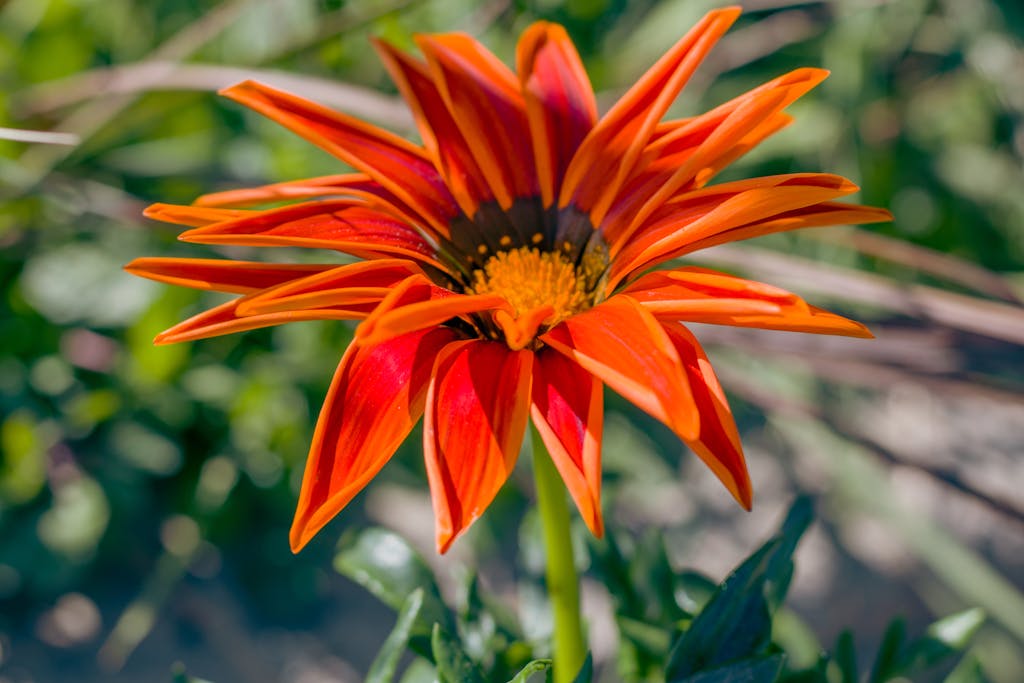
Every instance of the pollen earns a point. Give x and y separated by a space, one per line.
528 278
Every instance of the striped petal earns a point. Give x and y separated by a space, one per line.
417 303
192 216
568 413
439 130
346 225
609 153
483 97
694 152
398 165
225 319
237 277
560 103
707 296
354 283
477 407
701 214
718 443
376 397
626 348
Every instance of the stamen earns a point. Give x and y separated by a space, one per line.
528 279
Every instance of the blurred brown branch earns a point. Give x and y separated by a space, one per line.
168 75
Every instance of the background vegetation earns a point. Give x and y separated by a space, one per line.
145 493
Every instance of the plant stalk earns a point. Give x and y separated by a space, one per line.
562 580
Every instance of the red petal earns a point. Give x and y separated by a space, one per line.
239 277
192 216
718 444
701 214
819 215
417 303
609 153
375 399
347 225
694 152
225 319
476 416
560 103
354 283
396 164
626 347
345 184
483 97
440 133
568 412
707 296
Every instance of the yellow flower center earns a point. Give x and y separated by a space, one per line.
528 278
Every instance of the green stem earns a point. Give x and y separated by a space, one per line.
562 579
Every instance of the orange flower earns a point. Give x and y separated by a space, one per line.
514 264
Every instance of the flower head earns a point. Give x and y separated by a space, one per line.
514 264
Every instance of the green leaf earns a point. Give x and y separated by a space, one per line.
846 657
453 666
180 675
383 563
586 673
968 671
651 638
887 660
945 638
530 669
420 671
760 670
736 623
383 668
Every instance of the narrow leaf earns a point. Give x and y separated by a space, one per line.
383 668
586 674
453 666
846 657
887 661
736 623
761 670
383 563
945 638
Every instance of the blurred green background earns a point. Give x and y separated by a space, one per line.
146 493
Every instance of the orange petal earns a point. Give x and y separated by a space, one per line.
560 102
192 216
701 214
569 415
693 153
718 443
346 225
239 277
417 303
609 153
627 349
483 97
398 165
353 283
477 407
376 397
707 296
225 319
819 215
440 133
344 184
